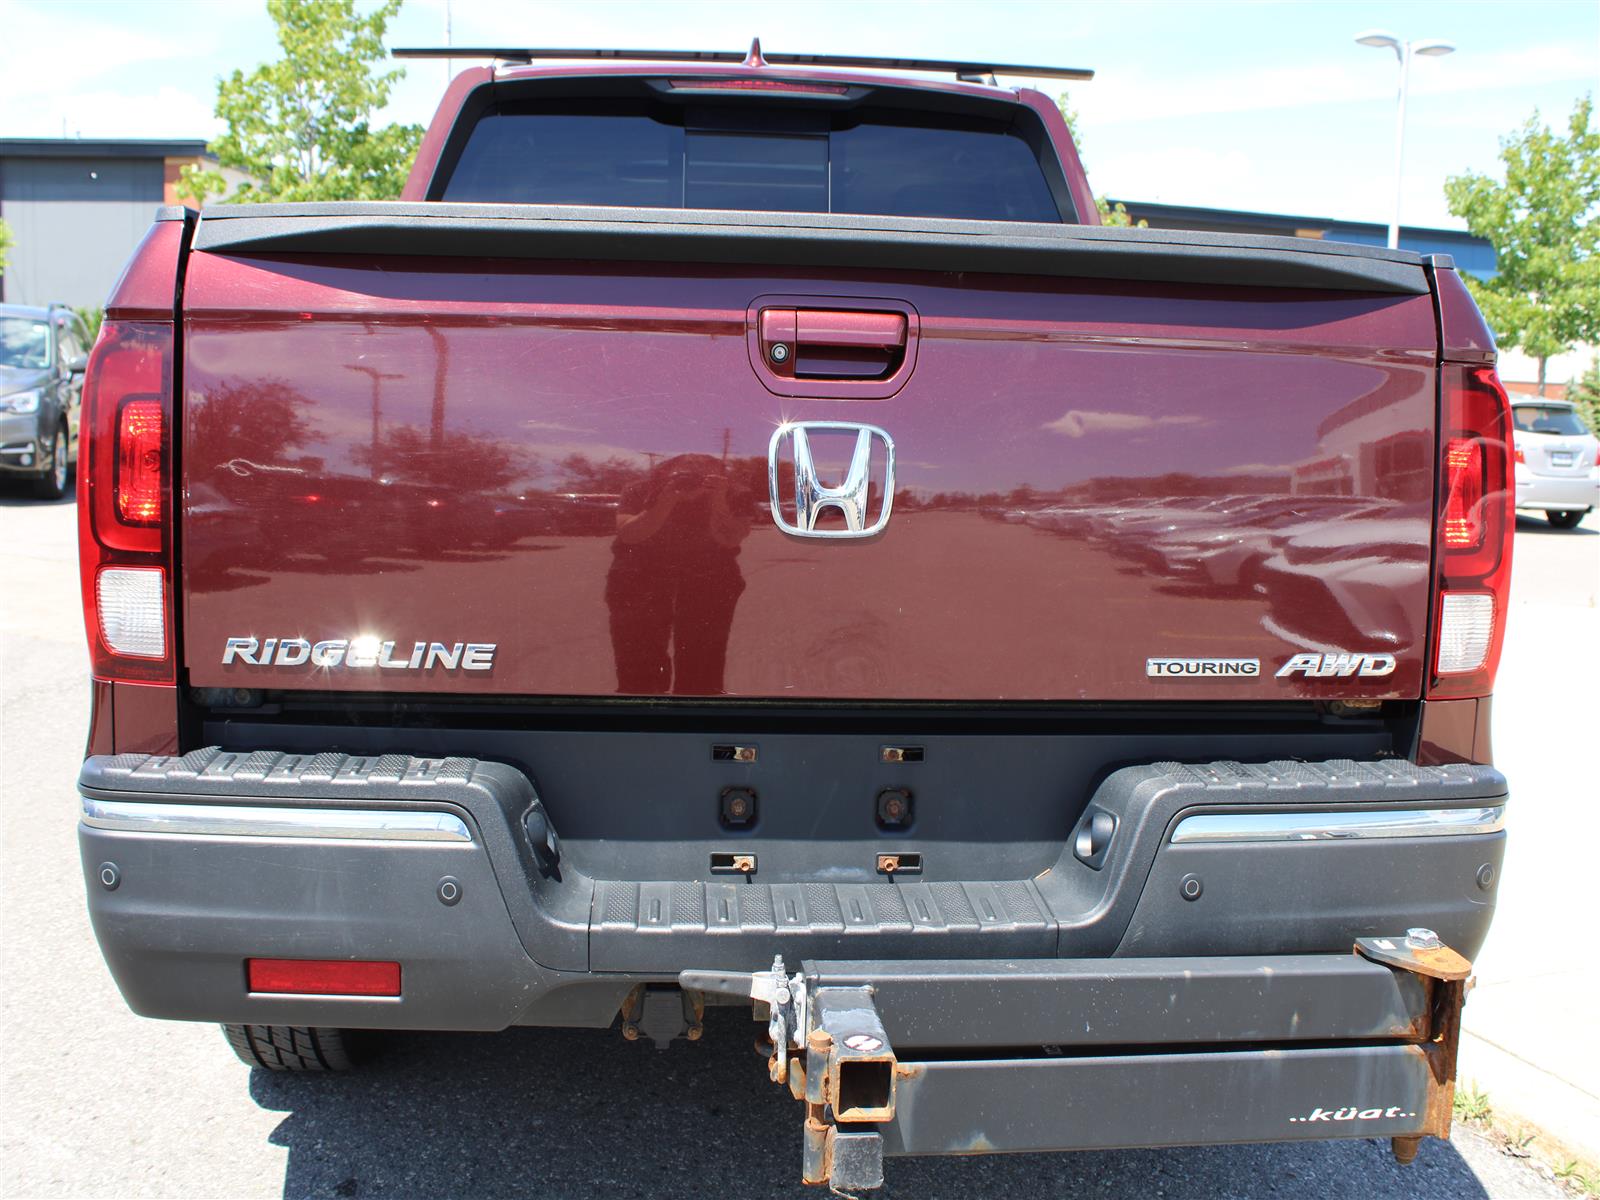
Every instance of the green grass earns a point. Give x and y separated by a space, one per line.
1574 1175
1472 1104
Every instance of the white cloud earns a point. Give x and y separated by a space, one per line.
118 81
32 61
165 111
1077 423
1140 95
1174 175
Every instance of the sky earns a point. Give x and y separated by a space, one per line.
1266 106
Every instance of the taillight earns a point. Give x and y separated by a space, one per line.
1476 521
139 462
125 503
1463 500
1520 456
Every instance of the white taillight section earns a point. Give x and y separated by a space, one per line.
1466 630
125 503
1476 498
132 607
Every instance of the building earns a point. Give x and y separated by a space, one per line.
77 207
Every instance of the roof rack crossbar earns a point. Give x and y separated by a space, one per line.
527 54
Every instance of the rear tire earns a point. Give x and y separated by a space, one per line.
52 485
291 1047
1567 518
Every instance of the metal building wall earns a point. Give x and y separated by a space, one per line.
74 222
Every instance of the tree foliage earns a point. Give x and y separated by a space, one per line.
302 127
1110 214
1585 393
5 244
1543 220
87 320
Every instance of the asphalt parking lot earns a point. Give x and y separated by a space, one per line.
97 1102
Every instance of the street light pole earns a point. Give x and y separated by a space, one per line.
1403 52
1399 145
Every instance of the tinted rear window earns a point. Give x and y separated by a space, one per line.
858 162
1547 418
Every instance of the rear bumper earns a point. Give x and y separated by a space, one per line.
19 443
216 858
1559 492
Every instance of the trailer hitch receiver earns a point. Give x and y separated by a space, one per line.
830 1047
984 1056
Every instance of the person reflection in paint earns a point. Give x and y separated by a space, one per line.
675 578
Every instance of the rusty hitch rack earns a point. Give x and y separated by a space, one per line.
992 1056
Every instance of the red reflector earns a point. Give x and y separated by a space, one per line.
139 462
323 977
1463 506
1521 457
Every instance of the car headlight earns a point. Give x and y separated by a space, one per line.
21 402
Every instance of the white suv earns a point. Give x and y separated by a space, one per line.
1558 460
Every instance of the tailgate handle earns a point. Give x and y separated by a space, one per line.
838 344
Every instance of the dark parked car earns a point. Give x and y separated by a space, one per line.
41 382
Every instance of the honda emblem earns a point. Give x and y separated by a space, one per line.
851 497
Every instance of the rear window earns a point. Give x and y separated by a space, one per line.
1547 418
861 161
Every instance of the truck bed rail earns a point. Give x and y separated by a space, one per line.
814 240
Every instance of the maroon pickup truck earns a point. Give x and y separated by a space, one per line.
742 533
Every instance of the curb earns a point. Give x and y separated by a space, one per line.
1564 1117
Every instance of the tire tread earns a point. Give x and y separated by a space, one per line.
290 1047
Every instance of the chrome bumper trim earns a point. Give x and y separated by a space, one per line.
1326 825
240 820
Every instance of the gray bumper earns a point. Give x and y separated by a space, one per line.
1559 492
188 910
217 858
19 439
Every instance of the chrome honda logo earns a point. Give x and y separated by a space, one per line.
811 497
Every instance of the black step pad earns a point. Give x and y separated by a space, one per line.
637 924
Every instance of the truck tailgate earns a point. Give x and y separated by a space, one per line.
1090 473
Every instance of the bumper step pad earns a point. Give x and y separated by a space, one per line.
967 918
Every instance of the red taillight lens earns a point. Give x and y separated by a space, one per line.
1476 519
139 461
1463 501
322 977
1520 457
125 503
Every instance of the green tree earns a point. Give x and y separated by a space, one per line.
1585 393
1110 214
5 244
1543 220
87 321
302 127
